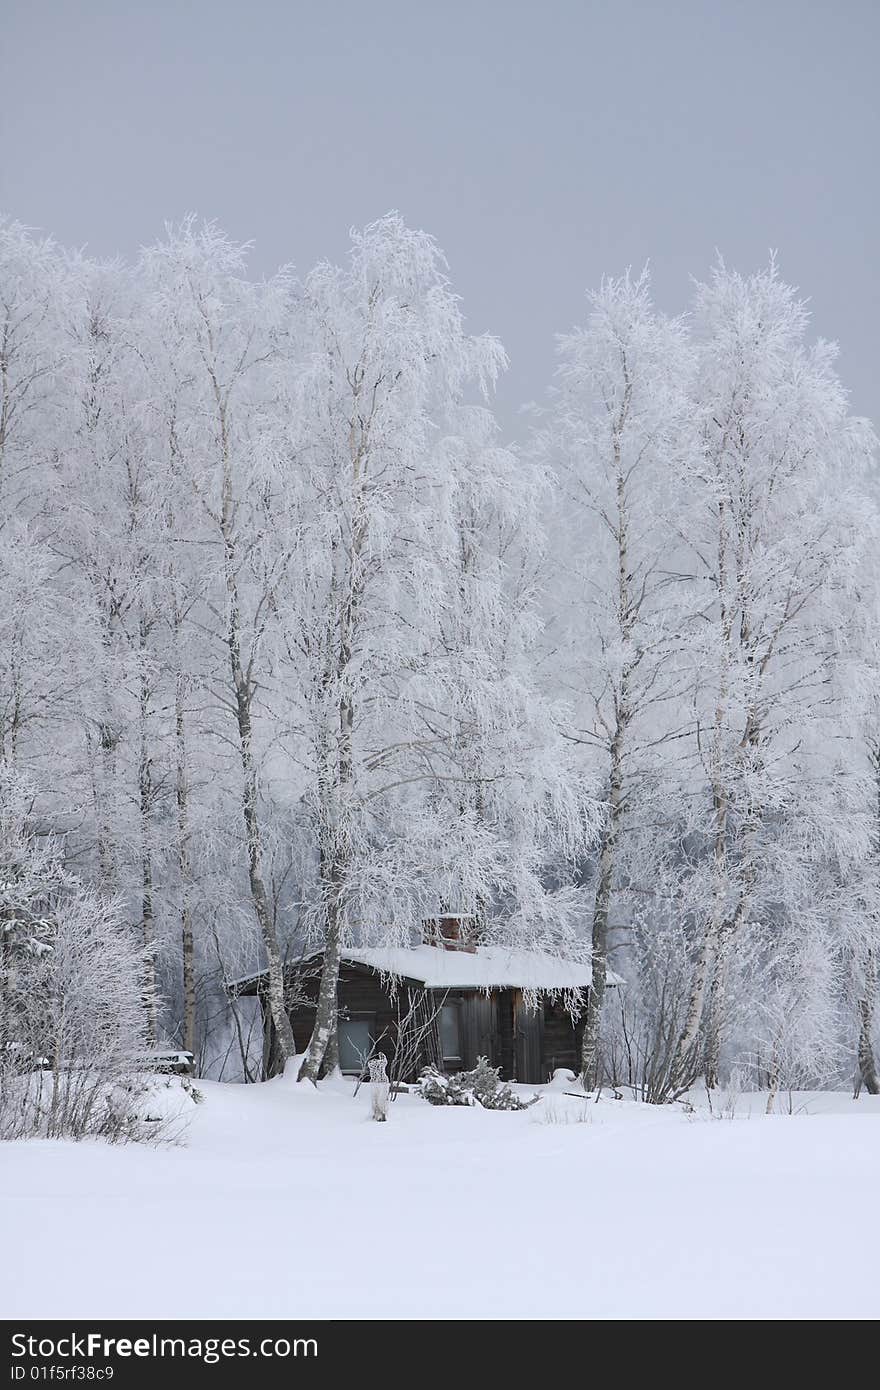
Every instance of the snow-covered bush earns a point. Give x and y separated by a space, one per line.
157 1102
73 1013
563 1079
560 1108
643 1021
481 1086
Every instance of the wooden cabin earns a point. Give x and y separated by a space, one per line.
445 1002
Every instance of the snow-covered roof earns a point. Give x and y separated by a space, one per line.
485 968
489 967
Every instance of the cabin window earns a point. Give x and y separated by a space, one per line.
355 1044
450 1032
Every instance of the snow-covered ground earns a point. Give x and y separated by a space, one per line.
286 1201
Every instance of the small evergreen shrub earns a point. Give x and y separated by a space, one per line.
481 1086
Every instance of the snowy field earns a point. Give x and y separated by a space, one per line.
287 1202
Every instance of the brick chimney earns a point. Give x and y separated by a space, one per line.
451 931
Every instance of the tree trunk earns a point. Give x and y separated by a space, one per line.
604 889
9 727
685 1066
325 1031
729 929
331 1056
867 1061
337 775
627 613
145 793
181 777
715 1010
773 1091
101 778
259 896
324 1039
243 693
185 867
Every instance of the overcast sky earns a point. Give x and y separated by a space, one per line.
541 143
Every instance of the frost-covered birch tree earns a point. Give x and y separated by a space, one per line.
386 359
778 449
510 811
221 333
619 431
33 358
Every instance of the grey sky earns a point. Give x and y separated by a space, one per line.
542 144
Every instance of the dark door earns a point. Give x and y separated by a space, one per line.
528 1042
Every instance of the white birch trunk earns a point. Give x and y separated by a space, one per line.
242 689
866 1057
185 868
627 614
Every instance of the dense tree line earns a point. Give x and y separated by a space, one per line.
295 650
